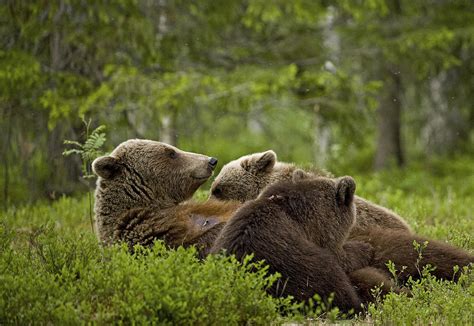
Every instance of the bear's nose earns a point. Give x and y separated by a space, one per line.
213 162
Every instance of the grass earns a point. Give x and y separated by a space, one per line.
52 269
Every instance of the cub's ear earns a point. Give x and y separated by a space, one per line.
260 163
266 161
299 175
106 167
345 189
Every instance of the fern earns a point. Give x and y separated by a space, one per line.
88 151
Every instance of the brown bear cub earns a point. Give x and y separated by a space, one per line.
141 193
244 178
299 228
398 247
390 236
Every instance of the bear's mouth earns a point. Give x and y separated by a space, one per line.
202 177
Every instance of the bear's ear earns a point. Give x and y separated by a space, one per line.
246 164
106 166
345 189
260 163
266 161
299 175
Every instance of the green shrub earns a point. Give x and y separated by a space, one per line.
433 302
53 271
49 277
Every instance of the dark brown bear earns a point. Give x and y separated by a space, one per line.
243 179
141 196
398 246
246 177
299 229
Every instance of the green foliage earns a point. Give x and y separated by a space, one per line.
301 77
52 270
19 73
48 276
431 302
90 150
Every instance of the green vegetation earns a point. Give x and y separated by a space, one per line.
379 82
53 270
350 86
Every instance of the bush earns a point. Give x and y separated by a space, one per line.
53 271
49 277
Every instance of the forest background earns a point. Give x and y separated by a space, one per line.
352 86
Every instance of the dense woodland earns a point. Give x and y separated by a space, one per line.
351 86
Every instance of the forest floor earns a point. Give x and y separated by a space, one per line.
52 269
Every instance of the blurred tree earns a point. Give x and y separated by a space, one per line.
408 45
336 83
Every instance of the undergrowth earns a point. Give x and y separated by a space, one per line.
53 271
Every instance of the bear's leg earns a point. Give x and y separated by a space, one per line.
372 283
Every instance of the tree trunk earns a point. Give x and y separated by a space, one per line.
444 127
6 163
389 144
322 137
169 131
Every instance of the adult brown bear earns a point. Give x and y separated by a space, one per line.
142 194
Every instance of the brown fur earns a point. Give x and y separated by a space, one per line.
398 247
244 178
368 279
140 196
182 225
299 229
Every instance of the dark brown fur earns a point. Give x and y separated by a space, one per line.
368 279
398 247
299 229
244 178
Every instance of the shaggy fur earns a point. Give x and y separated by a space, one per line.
388 233
299 229
140 196
244 178
397 246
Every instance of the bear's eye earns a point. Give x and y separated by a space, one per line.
172 154
217 192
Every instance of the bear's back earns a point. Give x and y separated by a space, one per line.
263 229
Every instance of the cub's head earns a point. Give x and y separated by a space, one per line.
244 178
153 171
324 207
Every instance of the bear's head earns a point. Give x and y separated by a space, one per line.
324 207
244 178
151 171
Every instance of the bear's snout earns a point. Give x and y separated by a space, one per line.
212 162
